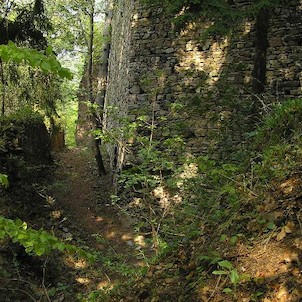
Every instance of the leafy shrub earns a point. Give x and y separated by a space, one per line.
283 124
277 142
38 242
23 115
46 62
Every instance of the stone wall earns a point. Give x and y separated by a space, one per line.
152 64
117 92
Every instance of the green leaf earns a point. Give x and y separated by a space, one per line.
271 226
12 232
28 244
227 290
234 277
29 249
15 239
39 250
219 273
49 50
45 66
65 73
225 264
11 44
223 237
4 180
60 246
234 239
21 235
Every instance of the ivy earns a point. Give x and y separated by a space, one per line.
46 62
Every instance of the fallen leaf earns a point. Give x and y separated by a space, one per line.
287 230
281 235
290 225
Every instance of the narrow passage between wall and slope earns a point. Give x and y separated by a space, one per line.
83 203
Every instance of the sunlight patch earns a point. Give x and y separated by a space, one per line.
111 234
140 241
99 218
105 285
82 280
76 263
126 237
56 214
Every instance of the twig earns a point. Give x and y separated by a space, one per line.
215 289
21 290
108 278
264 106
237 182
21 280
43 280
28 294
268 239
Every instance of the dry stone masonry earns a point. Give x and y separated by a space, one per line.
151 63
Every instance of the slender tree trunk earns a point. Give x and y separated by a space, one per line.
3 87
96 141
259 72
90 54
102 78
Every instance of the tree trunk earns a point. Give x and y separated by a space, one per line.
102 81
259 72
102 78
3 88
96 142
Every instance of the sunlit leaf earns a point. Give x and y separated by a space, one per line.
234 277
219 273
281 235
225 264
227 290
45 66
4 180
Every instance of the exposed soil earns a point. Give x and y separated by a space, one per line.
82 205
85 200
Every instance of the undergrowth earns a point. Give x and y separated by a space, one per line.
218 206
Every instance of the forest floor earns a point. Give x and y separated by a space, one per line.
74 203
87 216
263 263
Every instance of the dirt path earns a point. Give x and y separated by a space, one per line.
84 208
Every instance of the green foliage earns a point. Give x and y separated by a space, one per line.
277 142
157 158
283 124
24 22
159 152
68 112
4 180
46 62
227 269
24 115
38 242
225 17
31 78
